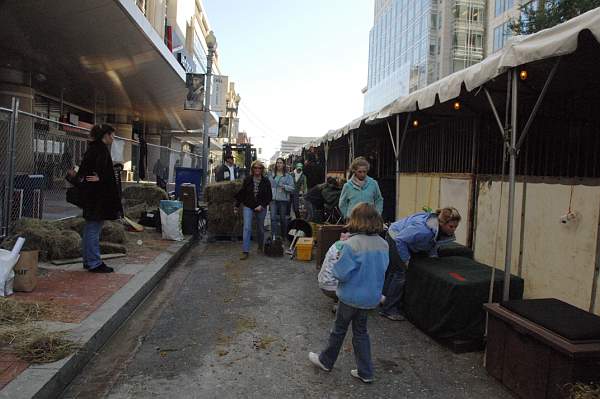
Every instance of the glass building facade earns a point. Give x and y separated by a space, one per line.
402 50
468 33
415 42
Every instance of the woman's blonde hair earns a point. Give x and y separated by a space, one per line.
448 214
364 218
257 163
359 162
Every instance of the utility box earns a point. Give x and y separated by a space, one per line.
538 347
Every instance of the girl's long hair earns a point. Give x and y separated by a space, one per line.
275 167
365 219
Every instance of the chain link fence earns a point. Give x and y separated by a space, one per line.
38 152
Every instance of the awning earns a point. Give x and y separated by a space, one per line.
98 46
553 42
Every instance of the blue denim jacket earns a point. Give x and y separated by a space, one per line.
282 186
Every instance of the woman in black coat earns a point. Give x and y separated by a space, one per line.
101 199
255 195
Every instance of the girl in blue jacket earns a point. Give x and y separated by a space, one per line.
360 271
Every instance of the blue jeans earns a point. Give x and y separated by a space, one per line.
279 218
393 289
90 244
295 204
360 339
260 228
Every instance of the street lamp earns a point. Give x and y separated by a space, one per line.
211 43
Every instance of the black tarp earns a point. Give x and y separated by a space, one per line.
444 296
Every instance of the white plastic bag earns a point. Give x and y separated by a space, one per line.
171 215
8 260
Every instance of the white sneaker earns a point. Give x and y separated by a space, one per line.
354 374
314 359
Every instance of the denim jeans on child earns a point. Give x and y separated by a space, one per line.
279 218
360 339
260 228
393 288
91 244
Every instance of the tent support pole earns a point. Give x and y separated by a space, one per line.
537 104
397 154
400 142
511 190
502 130
326 148
392 138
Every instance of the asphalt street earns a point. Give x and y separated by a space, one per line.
218 327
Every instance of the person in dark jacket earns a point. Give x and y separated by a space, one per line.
101 198
313 201
228 171
255 195
315 173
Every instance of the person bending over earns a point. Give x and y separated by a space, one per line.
421 232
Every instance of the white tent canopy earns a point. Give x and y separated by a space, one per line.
549 43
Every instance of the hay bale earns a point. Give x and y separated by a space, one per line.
223 221
113 232
151 194
135 212
75 224
59 239
222 191
66 245
112 248
36 233
583 391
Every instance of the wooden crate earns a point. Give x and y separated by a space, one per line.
533 361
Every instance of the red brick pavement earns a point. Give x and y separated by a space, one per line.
10 367
76 293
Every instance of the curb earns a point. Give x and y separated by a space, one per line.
49 380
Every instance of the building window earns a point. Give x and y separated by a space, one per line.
501 35
501 6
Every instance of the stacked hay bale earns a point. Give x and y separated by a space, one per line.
220 198
140 198
62 239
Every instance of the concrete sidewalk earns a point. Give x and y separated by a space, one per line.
91 308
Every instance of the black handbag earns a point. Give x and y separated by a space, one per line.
273 247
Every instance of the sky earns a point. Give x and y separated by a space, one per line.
299 66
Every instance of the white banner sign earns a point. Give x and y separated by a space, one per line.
235 128
218 99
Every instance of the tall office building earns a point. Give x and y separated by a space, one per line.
501 14
416 42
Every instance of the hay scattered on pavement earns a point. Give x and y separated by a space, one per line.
39 346
15 312
30 343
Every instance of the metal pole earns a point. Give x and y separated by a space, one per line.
12 134
205 138
511 189
397 151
